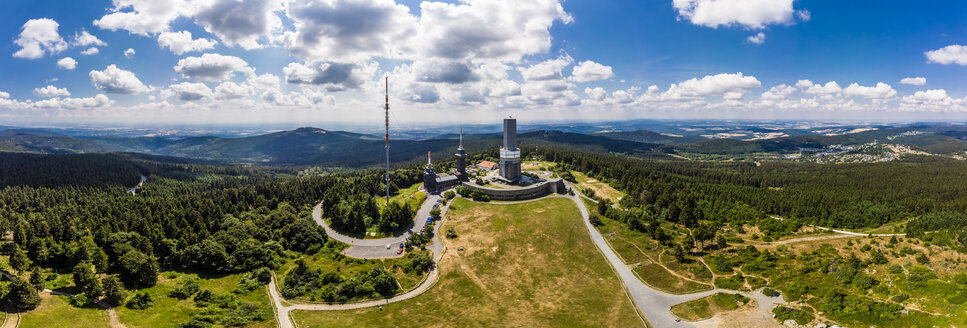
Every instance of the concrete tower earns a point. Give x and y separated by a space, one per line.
461 159
429 176
509 154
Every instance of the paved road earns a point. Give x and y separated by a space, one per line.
436 247
376 248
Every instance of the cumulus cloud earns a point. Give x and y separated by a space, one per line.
914 80
181 42
67 63
444 72
587 71
754 14
4 95
421 93
115 80
90 51
84 39
729 86
187 91
212 67
239 23
809 87
129 53
546 70
492 29
952 54
230 90
932 100
880 91
98 101
347 30
503 88
332 76
758 38
39 37
597 93
145 17
778 92
51 91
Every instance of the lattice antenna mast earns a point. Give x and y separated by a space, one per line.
387 139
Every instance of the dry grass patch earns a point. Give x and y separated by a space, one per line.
517 268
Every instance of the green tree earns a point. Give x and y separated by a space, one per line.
138 269
86 281
435 213
22 295
603 207
37 278
18 259
114 292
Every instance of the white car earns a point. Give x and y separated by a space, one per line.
388 246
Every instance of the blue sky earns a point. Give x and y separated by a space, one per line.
322 61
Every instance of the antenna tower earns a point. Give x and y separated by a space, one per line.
387 139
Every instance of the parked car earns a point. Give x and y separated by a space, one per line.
388 246
401 245
399 251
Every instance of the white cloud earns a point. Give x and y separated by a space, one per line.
115 80
145 17
67 63
4 95
51 91
444 71
230 90
212 67
332 76
39 37
952 54
90 51
914 80
624 96
778 92
729 86
240 23
187 91
98 101
503 88
590 71
129 53
829 88
880 91
547 70
492 29
758 38
84 39
932 100
597 93
347 30
748 13
181 42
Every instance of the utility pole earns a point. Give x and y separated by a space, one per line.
387 139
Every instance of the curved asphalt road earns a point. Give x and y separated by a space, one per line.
652 303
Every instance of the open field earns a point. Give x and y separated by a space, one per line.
55 312
601 189
522 265
403 195
170 312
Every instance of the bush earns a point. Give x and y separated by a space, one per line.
140 301
22 295
187 288
729 301
595 220
756 282
80 300
451 233
785 313
899 298
734 283
770 292
479 196
449 195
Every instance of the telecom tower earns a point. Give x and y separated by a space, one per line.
387 139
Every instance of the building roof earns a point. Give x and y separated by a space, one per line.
488 164
446 178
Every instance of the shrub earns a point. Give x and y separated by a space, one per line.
785 313
451 233
756 282
770 292
595 220
729 301
449 195
140 301
733 283
899 298
187 288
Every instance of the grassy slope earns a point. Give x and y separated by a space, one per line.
169 312
55 311
601 189
526 265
